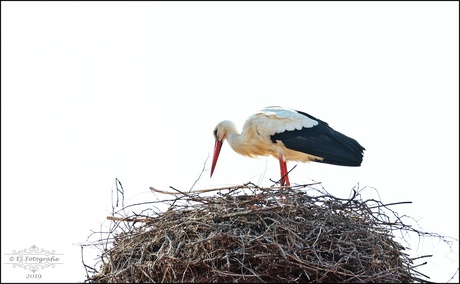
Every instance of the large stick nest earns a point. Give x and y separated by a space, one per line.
253 234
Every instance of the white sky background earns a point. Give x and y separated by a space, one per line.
97 91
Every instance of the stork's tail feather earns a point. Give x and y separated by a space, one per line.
343 151
350 159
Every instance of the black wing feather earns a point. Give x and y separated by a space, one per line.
323 141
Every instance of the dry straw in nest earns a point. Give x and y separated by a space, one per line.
253 234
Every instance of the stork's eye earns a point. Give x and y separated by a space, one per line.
215 133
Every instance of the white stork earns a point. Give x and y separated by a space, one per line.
288 135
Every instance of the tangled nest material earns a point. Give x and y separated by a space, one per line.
252 234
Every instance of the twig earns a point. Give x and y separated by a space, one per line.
202 171
112 218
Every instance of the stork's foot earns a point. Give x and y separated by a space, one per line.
285 182
285 186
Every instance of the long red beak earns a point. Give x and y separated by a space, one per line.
217 147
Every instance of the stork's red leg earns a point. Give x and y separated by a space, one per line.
286 178
284 174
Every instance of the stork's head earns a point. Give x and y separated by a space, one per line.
220 134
